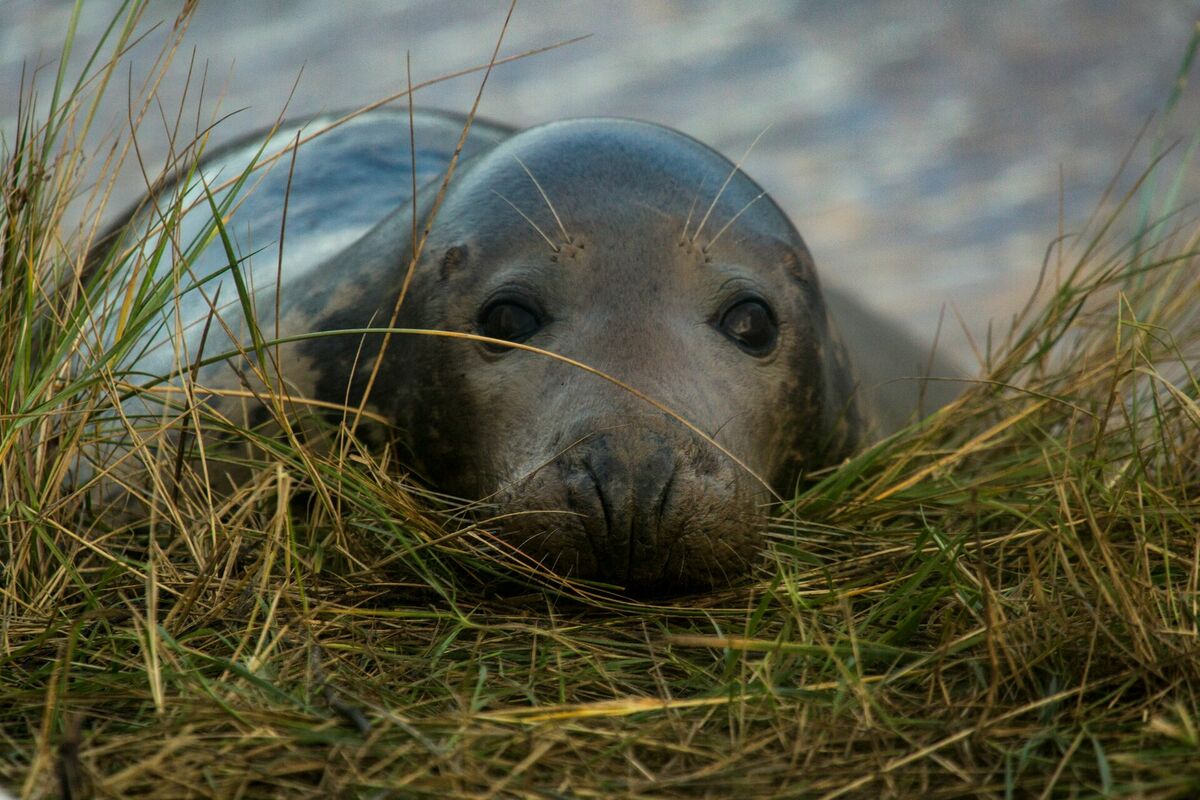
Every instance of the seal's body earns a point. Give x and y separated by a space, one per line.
621 245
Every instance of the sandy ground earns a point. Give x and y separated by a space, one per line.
921 147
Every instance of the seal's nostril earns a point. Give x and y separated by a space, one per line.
611 528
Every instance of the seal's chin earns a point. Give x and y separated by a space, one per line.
647 514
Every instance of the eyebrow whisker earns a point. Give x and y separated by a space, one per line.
542 192
736 168
687 222
525 217
732 220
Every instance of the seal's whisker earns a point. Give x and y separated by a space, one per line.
542 192
732 220
525 217
728 178
687 222
731 418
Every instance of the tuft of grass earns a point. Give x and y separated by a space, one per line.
1002 601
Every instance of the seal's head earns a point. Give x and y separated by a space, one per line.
645 255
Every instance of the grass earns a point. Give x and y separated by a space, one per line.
1002 602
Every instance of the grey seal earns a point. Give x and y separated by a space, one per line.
621 245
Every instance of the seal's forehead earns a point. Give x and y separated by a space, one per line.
604 167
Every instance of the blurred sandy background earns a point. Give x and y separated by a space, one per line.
917 145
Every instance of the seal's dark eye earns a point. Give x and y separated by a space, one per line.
751 325
509 321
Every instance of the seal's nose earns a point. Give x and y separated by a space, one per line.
620 486
648 508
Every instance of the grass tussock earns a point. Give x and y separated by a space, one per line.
1002 602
